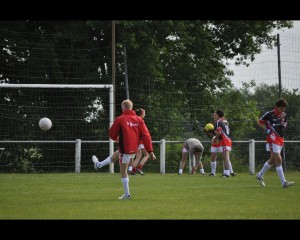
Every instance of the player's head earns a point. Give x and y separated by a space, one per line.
140 112
220 113
281 102
127 105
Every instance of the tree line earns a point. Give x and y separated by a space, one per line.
177 71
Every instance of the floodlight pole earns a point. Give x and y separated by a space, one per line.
280 95
279 66
113 79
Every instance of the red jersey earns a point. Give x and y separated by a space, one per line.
129 129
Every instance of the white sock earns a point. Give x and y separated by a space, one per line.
280 174
202 170
129 168
213 167
180 171
125 182
265 168
105 162
230 167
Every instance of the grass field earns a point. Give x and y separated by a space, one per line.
154 196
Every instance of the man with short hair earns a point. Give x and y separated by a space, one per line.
128 129
274 123
221 129
220 144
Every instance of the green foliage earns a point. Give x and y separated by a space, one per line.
244 39
241 112
185 58
31 154
177 71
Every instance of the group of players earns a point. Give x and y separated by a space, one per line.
192 147
221 142
272 122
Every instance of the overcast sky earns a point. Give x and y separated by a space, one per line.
294 30
265 67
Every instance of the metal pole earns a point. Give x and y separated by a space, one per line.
113 76
113 59
163 156
77 155
279 66
252 156
126 73
280 95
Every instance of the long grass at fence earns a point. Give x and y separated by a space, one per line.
154 196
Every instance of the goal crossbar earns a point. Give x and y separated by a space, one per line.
56 86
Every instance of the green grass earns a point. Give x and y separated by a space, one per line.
154 196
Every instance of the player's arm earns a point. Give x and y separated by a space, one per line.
210 133
263 125
217 133
215 140
147 140
114 131
152 156
284 120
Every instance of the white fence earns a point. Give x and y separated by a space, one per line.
162 156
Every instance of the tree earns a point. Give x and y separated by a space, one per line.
177 71
187 59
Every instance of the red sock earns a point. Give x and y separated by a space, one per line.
140 167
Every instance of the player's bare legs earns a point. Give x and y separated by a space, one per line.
182 162
198 157
142 157
130 165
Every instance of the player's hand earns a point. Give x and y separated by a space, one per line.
209 134
215 140
283 124
268 131
152 156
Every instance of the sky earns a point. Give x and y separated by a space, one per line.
264 69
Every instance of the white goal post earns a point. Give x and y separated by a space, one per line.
76 86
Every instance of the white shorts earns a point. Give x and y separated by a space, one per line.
219 149
272 147
184 150
141 146
125 158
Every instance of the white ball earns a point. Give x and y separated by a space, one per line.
45 123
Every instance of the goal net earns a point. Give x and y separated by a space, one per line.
81 116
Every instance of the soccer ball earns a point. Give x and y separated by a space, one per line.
45 124
209 127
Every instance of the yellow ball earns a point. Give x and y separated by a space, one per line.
208 127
